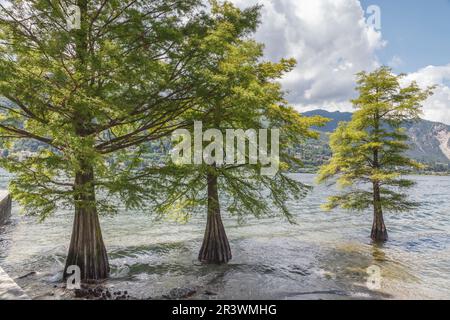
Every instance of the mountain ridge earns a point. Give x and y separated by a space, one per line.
429 141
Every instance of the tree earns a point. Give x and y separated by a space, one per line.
93 96
247 98
370 149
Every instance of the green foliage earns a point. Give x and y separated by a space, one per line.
92 96
247 96
370 149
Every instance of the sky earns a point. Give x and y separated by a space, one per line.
333 40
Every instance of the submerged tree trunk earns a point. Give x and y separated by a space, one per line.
215 248
87 249
379 232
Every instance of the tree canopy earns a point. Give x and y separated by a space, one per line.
94 94
370 149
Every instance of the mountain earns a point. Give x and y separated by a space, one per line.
335 118
430 141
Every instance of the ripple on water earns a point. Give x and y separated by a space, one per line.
325 255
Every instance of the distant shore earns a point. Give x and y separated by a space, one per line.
419 173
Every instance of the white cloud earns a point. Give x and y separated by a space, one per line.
331 42
437 107
5 3
395 62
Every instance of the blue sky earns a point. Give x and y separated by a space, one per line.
332 40
417 31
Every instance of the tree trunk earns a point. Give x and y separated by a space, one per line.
87 250
215 248
379 232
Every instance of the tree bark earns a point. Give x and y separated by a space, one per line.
215 248
87 250
379 232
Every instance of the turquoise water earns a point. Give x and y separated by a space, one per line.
324 256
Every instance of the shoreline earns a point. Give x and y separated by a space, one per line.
431 173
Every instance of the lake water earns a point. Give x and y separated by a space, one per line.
324 256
